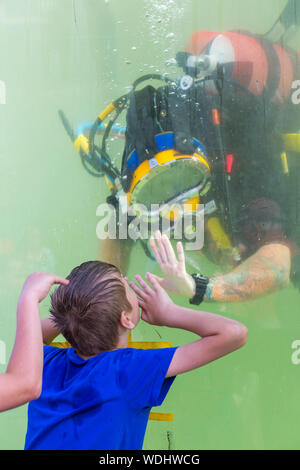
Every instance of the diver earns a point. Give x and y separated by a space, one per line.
224 136
261 241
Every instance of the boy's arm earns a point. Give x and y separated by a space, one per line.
49 330
23 377
219 335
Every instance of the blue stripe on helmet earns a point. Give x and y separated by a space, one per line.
164 141
203 150
133 161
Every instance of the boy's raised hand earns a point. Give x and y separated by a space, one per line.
176 279
38 284
155 303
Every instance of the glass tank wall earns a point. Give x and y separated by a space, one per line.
78 56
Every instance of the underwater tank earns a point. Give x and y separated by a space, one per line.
62 64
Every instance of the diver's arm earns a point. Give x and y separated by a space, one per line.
264 272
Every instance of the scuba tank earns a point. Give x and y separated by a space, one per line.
258 103
258 65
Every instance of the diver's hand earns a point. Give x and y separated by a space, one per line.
157 307
176 280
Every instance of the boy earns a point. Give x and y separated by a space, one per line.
98 393
22 380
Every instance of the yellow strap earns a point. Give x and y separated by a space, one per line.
62 345
292 142
81 143
149 345
217 233
106 112
109 183
161 416
284 163
131 344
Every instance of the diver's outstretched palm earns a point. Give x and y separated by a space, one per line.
176 280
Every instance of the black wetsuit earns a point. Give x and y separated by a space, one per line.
251 131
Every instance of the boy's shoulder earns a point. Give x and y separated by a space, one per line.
143 354
137 376
52 351
122 357
139 362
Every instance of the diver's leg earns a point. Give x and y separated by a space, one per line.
116 252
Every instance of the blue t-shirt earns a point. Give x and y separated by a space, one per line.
102 403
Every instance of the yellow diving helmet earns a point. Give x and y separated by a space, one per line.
168 180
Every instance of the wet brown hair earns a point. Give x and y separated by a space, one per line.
87 311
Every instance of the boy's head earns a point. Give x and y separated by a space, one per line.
94 308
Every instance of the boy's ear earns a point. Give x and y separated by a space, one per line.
125 321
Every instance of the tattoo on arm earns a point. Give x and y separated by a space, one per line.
264 272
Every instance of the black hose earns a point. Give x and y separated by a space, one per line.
92 134
289 17
66 125
151 76
119 105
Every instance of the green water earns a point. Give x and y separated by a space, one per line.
78 56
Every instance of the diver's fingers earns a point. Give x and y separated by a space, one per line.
168 249
160 280
161 248
181 257
155 250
